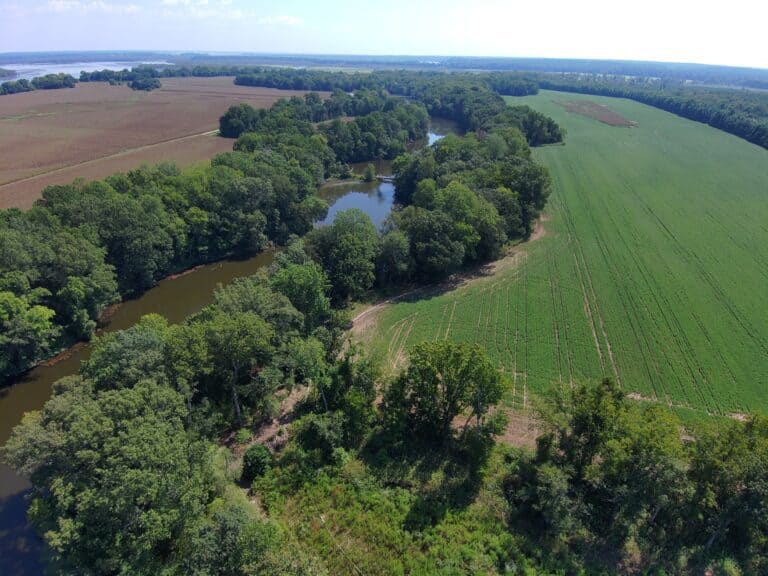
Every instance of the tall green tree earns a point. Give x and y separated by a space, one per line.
306 286
443 380
27 333
241 344
347 250
116 477
731 500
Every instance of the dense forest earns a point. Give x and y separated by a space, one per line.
86 245
460 201
152 461
743 113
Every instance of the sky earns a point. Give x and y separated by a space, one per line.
731 33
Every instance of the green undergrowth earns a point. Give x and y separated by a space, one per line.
382 515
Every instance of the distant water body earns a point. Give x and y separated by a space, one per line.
30 71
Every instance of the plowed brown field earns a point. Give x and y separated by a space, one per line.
93 130
597 111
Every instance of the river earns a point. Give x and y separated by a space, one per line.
29 71
174 298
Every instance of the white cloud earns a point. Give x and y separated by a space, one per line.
12 9
61 5
191 3
89 7
222 10
284 20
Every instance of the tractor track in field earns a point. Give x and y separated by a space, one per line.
363 323
717 290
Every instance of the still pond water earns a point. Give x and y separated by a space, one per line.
175 299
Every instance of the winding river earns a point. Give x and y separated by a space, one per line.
175 298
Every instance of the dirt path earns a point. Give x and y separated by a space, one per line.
117 154
275 433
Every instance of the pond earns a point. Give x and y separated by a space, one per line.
375 198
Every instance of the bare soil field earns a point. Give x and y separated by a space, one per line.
596 111
93 130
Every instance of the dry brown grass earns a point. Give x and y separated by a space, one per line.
596 111
93 130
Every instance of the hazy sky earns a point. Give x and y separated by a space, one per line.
705 31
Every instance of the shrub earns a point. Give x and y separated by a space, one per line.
242 436
256 461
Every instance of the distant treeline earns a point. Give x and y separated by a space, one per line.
398 82
743 113
684 72
138 78
47 82
672 71
147 71
137 81
4 73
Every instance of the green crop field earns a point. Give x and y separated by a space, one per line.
653 269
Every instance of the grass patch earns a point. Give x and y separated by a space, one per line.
359 521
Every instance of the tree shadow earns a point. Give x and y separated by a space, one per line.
416 292
457 488
445 476
21 550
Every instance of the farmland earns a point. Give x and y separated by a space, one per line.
651 269
94 130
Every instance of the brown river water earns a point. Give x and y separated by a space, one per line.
174 298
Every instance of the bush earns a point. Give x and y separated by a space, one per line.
242 436
146 84
256 461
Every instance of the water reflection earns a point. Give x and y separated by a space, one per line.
21 551
373 198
